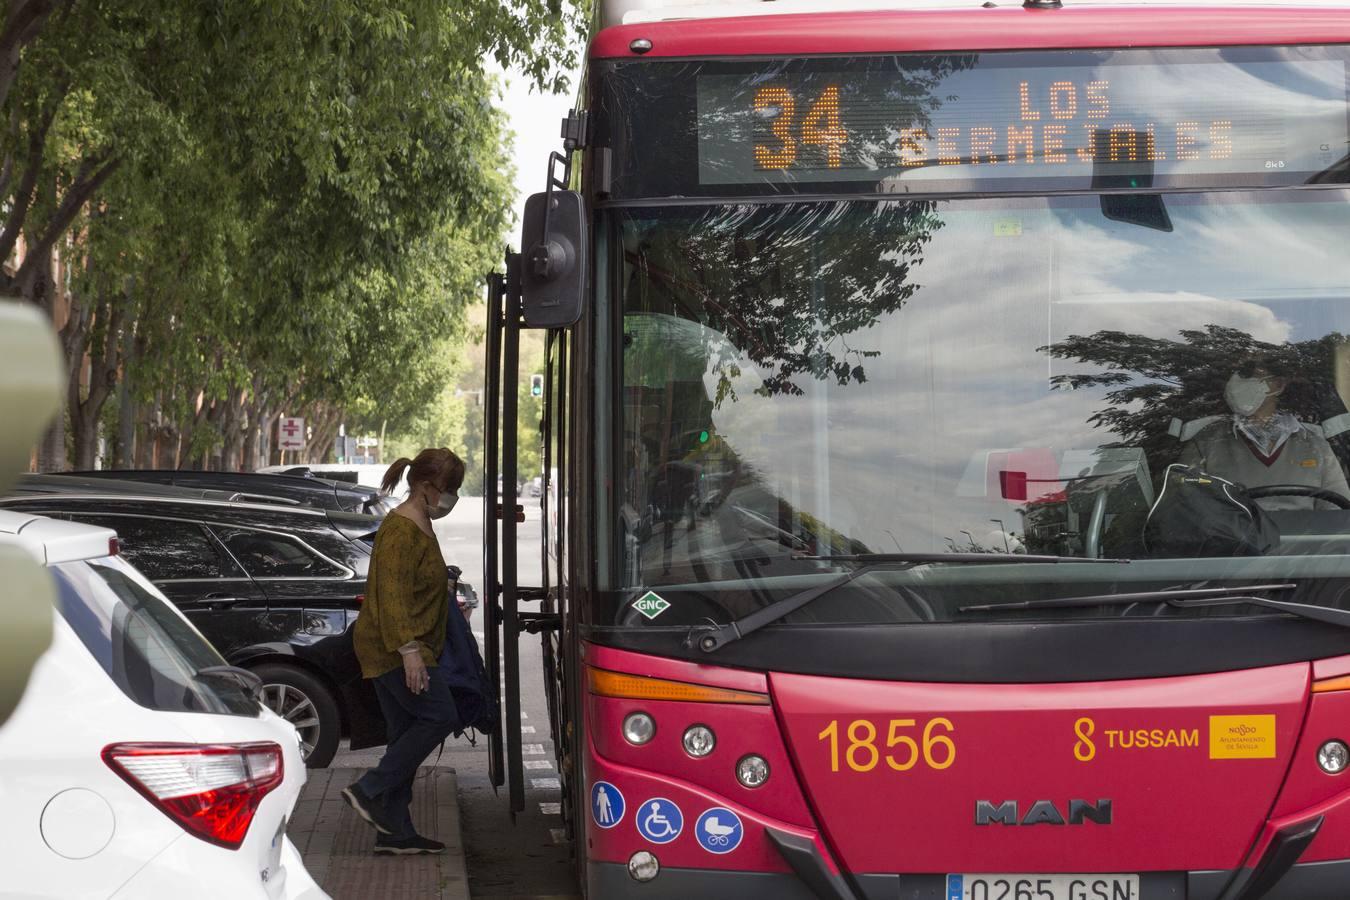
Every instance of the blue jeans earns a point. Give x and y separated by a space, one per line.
416 724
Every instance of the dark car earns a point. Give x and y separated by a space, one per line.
303 490
275 588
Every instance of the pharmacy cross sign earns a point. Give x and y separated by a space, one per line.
291 433
651 604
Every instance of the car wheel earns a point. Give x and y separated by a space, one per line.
308 704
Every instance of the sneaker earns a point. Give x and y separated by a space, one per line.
408 846
367 808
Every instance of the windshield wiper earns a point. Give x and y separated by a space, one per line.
1166 595
247 680
964 558
709 638
1189 598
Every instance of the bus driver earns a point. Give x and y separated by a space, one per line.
1263 445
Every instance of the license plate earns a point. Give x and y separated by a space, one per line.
1043 887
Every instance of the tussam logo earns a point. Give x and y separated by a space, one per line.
651 604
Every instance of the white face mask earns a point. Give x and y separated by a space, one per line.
1245 395
443 506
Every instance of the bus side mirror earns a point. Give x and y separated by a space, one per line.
553 264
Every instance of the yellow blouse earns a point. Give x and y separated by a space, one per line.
407 598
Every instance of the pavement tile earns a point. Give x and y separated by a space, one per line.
338 846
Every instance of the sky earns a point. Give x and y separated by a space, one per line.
535 119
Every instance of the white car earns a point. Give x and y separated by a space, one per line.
138 764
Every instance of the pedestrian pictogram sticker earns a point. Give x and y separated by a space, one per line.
719 830
606 804
659 820
651 604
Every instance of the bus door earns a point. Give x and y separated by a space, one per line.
542 288
552 620
505 621
501 513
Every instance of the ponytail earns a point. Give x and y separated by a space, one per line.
394 474
431 465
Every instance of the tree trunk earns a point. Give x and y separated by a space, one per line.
325 434
270 425
254 440
38 288
92 333
232 434
127 410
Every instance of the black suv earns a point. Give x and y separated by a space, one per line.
254 487
275 588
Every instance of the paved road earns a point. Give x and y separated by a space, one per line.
527 859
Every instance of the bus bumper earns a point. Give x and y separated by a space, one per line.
611 881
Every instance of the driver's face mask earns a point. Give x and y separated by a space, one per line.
1245 395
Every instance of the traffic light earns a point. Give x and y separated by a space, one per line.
536 385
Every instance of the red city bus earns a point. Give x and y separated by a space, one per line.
948 408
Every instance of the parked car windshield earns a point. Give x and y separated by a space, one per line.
807 381
146 646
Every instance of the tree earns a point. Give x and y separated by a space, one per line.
257 202
783 286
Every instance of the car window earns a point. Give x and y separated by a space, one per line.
267 555
167 549
146 646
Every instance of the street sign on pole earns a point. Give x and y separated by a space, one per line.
291 433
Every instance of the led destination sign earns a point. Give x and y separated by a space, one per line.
955 119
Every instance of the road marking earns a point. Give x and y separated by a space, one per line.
524 714
550 809
532 750
543 784
527 729
538 764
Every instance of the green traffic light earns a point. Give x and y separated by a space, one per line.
703 437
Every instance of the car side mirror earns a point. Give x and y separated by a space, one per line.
554 259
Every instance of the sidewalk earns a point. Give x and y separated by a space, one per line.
338 846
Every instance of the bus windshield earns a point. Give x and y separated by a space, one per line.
1156 378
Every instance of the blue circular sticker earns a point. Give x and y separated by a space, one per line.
606 804
719 830
659 820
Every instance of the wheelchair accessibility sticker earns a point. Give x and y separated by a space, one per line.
719 830
659 820
606 804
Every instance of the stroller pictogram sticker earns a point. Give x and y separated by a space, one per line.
719 830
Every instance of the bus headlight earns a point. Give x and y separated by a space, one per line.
699 741
643 866
639 728
1333 757
752 771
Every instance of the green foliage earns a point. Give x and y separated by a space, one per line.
267 208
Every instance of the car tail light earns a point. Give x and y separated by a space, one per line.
114 546
212 790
